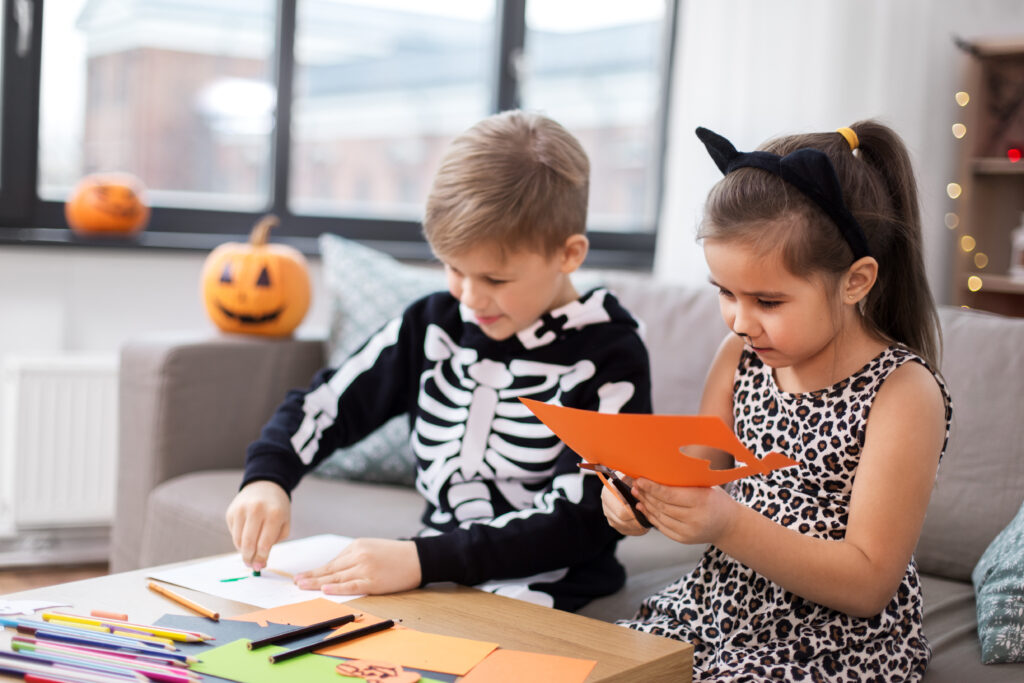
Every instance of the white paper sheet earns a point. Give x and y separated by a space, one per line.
8 607
269 589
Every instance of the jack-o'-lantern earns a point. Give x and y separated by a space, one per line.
256 287
112 204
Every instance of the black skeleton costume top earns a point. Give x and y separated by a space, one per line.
507 508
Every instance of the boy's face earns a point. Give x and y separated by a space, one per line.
509 294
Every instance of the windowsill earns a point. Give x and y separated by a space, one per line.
600 256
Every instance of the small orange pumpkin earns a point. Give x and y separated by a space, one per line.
257 287
111 204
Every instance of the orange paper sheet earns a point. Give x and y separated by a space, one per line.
407 647
649 446
513 666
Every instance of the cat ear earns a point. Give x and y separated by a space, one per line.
720 149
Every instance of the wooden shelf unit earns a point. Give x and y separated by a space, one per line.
991 203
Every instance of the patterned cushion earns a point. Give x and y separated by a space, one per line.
999 588
367 288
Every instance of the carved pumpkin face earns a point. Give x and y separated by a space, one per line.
256 288
107 204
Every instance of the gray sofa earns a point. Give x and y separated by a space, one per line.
189 406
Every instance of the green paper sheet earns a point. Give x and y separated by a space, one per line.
235 662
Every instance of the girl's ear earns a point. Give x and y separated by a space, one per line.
859 279
574 251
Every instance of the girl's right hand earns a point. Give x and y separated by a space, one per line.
619 515
259 517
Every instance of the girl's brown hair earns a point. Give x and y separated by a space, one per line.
880 191
515 179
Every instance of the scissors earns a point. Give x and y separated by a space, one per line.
607 475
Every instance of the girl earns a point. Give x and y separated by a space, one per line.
815 246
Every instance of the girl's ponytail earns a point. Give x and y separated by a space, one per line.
900 305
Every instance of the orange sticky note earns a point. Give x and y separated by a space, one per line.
649 446
301 613
416 649
513 666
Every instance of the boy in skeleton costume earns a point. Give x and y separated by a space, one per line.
507 509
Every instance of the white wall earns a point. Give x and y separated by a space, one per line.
751 70
66 299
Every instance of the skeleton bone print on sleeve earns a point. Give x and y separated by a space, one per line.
472 429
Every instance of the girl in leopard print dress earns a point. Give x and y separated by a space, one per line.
814 244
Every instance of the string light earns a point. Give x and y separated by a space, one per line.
967 243
974 283
959 130
952 221
1013 154
962 98
953 190
980 260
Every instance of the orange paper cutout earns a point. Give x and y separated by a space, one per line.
648 446
377 672
306 613
513 666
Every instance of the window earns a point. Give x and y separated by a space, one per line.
330 113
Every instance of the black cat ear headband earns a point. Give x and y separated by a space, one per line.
808 170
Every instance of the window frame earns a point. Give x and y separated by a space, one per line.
25 218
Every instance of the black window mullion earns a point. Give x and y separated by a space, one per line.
20 114
281 145
511 35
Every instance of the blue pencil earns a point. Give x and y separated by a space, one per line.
44 629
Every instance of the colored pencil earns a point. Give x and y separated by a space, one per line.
103 661
33 627
182 600
160 631
174 659
333 640
10 661
301 631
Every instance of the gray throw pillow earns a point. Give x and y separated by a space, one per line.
999 587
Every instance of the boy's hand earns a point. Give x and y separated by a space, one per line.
372 566
687 514
259 517
619 515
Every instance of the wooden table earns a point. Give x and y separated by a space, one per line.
621 654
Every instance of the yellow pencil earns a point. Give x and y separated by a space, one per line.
182 600
160 631
98 628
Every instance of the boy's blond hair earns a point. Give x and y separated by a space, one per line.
517 180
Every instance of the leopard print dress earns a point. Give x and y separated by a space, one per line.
744 627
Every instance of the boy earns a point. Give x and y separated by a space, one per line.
507 508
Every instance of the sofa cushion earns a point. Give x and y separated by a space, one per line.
980 483
365 289
185 515
999 589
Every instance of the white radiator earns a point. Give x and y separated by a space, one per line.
58 444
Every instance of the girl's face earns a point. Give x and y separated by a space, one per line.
787 320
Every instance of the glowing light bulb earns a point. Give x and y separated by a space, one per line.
1013 154
962 98
954 190
967 243
974 283
959 130
952 221
980 260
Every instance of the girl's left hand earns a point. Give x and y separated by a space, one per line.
367 566
686 514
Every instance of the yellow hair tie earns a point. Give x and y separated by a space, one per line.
850 136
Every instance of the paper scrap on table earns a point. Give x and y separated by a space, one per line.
271 588
649 446
377 672
27 606
235 662
514 666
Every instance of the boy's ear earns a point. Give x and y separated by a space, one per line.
859 279
574 251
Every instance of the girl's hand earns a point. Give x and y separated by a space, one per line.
619 515
687 514
258 517
367 566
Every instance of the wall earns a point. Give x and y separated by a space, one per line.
752 70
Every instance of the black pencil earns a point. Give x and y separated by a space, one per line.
333 640
301 631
